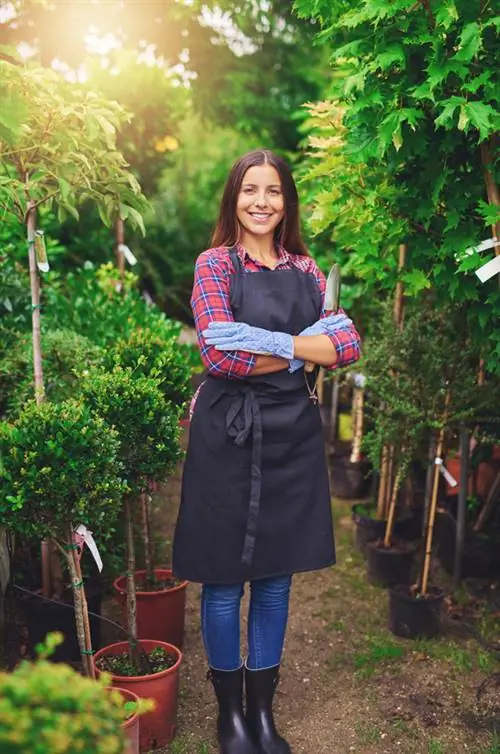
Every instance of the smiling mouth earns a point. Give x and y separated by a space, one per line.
260 215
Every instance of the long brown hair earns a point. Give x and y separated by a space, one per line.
287 233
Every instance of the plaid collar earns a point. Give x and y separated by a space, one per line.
283 255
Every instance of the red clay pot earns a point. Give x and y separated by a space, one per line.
161 614
157 728
131 726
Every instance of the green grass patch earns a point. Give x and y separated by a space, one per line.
378 651
367 733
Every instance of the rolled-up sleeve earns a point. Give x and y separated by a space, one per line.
210 302
345 340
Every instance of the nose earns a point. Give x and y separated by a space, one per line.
261 199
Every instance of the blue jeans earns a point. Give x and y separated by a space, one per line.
267 619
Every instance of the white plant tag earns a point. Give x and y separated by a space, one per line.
489 269
489 243
127 253
444 471
90 542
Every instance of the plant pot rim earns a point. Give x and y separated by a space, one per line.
434 594
410 547
127 692
344 459
120 584
146 644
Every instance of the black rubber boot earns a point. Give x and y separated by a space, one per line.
260 687
232 731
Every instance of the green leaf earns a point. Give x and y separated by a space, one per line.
446 118
483 117
416 280
137 219
447 14
470 42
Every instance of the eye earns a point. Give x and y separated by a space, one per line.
248 190
275 192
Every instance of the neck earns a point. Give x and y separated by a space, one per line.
260 247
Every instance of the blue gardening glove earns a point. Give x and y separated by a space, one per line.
238 336
325 326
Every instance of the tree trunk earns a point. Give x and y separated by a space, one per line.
392 511
119 241
81 608
146 533
131 586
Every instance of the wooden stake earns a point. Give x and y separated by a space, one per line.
392 511
433 505
382 485
35 303
334 410
119 241
357 412
131 585
398 299
81 608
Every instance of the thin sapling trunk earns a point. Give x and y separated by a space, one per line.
146 534
131 586
81 607
358 411
389 529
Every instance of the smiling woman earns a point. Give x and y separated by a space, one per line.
255 501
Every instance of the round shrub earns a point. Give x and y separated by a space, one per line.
59 465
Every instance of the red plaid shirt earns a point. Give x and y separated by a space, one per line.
210 303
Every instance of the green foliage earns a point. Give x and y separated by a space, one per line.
47 707
88 302
147 426
408 374
58 147
159 355
65 355
415 89
59 466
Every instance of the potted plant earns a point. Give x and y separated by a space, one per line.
161 599
59 468
148 432
46 707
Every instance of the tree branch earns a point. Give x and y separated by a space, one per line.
432 21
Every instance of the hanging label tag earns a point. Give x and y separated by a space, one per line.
127 253
489 269
359 380
40 252
88 539
489 243
444 471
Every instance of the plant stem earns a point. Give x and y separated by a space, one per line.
131 587
392 510
81 608
432 511
146 533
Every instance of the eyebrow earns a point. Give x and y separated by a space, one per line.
254 185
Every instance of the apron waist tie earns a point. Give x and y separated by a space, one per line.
242 418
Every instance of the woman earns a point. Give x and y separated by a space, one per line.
255 501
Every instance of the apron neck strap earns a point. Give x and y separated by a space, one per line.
235 259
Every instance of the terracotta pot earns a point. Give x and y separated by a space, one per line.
157 728
131 725
480 480
160 614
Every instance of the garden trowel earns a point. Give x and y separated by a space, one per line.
332 299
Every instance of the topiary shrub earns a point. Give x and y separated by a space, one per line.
156 353
59 467
149 436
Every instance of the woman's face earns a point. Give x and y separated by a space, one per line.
261 205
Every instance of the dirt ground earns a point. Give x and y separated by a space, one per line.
349 685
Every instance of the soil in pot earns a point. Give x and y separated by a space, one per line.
415 616
161 606
369 528
388 566
350 481
157 727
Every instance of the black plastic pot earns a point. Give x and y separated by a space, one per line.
406 527
415 617
350 481
387 567
43 617
481 554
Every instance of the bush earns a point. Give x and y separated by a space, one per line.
155 354
65 354
49 708
147 425
59 466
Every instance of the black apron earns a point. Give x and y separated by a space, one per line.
255 495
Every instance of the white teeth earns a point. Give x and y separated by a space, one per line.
258 216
